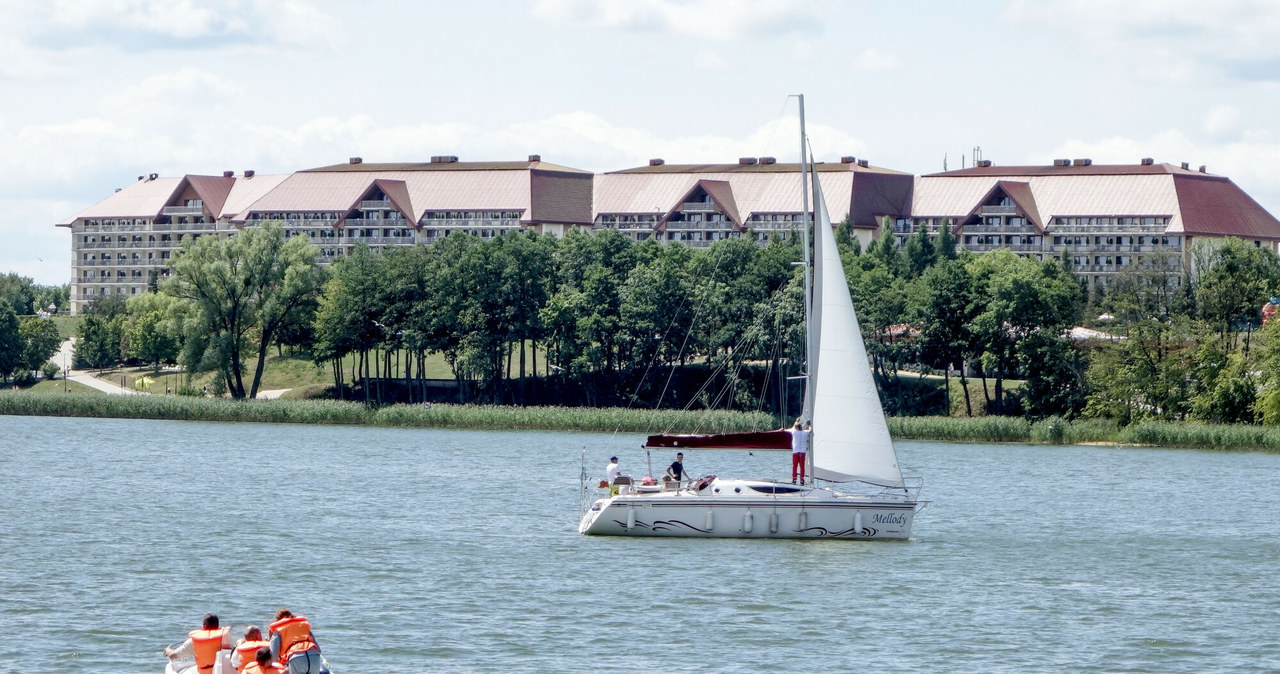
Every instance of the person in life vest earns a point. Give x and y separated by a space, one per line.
262 663
293 645
203 644
247 648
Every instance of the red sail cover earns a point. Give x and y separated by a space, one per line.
758 440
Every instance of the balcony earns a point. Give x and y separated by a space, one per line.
697 207
183 210
1107 229
999 210
375 204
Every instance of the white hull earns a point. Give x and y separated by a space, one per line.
222 665
752 509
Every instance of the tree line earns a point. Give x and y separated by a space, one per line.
597 319
27 339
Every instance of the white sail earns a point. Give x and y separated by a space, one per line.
850 437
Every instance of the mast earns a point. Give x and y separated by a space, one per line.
809 349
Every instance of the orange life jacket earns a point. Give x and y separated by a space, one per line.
248 651
295 636
255 668
206 644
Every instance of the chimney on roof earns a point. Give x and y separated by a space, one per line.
1186 166
535 158
249 173
982 163
153 176
228 174
768 160
1082 162
656 161
444 159
746 161
1062 162
1148 161
864 163
848 159
1202 168
355 160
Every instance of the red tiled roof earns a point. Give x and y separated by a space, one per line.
398 193
213 190
1091 170
821 167
1214 206
365 167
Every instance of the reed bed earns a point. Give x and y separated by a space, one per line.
493 417
1209 436
318 412
961 429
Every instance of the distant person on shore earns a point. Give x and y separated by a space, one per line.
203 644
675 472
293 645
262 663
799 450
247 648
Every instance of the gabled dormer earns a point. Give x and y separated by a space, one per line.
197 199
708 201
1009 206
385 202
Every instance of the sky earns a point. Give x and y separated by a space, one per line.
94 93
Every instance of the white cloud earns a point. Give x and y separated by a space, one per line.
1222 121
712 19
872 60
1169 40
147 25
707 59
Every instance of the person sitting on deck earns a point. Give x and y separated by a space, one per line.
247 648
262 663
203 644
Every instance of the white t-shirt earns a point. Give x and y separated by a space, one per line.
611 471
799 441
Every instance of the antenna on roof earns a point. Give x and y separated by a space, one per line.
977 155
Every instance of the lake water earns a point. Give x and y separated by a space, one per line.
415 550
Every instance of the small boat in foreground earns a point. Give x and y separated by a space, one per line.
221 664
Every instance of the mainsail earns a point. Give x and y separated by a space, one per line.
850 437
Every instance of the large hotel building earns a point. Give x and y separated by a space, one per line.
1107 219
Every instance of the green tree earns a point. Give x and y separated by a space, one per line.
11 346
18 293
920 252
245 286
98 342
946 304
40 342
885 248
944 246
1234 282
1021 297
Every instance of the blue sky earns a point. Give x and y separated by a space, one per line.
97 92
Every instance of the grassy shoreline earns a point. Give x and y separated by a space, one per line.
494 417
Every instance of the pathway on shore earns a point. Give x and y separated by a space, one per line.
63 360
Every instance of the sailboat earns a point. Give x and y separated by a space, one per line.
851 446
